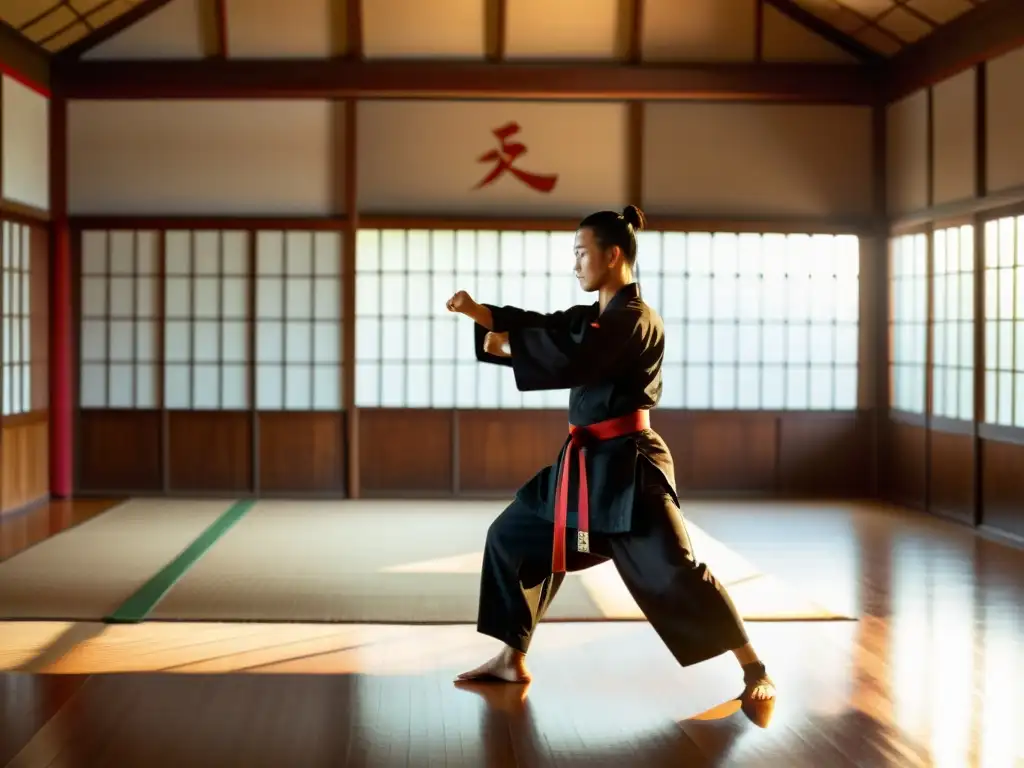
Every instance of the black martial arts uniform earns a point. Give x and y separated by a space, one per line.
611 363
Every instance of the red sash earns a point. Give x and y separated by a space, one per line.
579 437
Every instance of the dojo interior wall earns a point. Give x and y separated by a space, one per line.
952 443
24 296
226 170
195 220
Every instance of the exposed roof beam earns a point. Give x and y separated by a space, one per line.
213 28
629 31
808 83
495 29
808 20
354 28
988 30
111 29
22 59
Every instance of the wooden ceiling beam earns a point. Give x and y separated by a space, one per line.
23 60
354 29
253 79
988 30
823 29
213 30
111 29
629 31
495 23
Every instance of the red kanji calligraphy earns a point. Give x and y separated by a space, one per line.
504 157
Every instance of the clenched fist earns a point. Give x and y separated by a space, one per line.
461 302
497 344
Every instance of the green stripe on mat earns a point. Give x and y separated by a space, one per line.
137 607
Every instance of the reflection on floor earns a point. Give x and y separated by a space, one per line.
924 678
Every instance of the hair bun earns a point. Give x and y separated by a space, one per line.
634 216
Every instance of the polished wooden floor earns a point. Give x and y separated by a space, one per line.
930 675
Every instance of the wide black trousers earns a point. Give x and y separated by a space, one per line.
680 597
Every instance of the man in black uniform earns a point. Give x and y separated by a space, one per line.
612 493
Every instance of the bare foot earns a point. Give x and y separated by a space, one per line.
508 666
762 690
758 701
507 699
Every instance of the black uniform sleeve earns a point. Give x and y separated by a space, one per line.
566 355
507 319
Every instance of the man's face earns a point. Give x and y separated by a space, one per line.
593 263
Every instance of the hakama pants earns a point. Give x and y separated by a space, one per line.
688 608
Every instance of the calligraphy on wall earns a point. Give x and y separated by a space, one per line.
505 157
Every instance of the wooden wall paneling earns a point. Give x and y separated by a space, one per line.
761 453
227 451
120 451
904 454
300 452
210 451
1000 433
306 424
1002 484
25 477
905 463
160 460
24 434
721 451
959 479
953 445
825 454
965 475
951 472
118 448
502 449
405 451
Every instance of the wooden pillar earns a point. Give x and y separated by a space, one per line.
879 288
62 324
348 305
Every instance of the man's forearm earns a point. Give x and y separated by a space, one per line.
482 315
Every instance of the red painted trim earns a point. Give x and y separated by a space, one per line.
42 90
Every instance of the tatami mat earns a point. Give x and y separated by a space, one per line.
86 572
411 562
